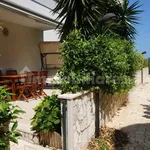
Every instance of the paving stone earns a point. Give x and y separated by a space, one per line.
132 118
139 148
23 145
130 148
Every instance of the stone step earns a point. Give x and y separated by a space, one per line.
24 145
27 134
29 137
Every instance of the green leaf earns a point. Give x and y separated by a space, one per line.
14 126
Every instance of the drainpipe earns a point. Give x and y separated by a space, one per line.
64 116
97 118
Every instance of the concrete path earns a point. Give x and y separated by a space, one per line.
23 145
135 118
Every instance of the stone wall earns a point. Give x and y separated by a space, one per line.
81 113
80 119
83 120
142 76
145 74
109 105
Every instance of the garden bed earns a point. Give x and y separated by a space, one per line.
110 139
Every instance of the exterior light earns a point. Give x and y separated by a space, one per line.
105 18
143 52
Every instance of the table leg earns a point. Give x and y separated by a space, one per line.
13 90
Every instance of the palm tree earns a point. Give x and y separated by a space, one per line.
85 15
79 14
127 18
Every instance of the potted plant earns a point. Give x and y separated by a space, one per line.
46 122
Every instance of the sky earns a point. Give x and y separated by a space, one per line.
143 29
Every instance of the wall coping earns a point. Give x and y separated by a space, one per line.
70 96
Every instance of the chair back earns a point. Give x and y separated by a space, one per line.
1 73
32 77
43 76
11 72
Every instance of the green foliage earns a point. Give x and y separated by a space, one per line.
145 64
105 62
8 113
47 115
127 14
102 143
85 15
77 14
139 59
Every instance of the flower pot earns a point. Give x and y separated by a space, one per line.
52 139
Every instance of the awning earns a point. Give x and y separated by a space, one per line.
19 15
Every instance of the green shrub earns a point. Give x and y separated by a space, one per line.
47 115
105 62
139 61
8 113
145 63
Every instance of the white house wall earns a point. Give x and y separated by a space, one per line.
20 49
49 35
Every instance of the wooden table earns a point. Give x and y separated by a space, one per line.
12 78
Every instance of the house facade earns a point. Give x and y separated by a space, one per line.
28 23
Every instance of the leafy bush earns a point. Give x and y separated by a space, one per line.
47 115
145 63
139 59
8 113
107 62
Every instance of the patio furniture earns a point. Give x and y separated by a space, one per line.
42 81
33 82
13 78
29 88
4 82
13 72
22 88
1 73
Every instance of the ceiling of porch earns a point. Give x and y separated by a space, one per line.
24 19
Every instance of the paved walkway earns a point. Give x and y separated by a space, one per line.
135 119
23 145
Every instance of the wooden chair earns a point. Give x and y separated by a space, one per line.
29 87
21 89
1 73
13 72
34 83
4 83
42 81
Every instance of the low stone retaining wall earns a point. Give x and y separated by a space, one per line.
80 119
142 76
79 115
109 105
